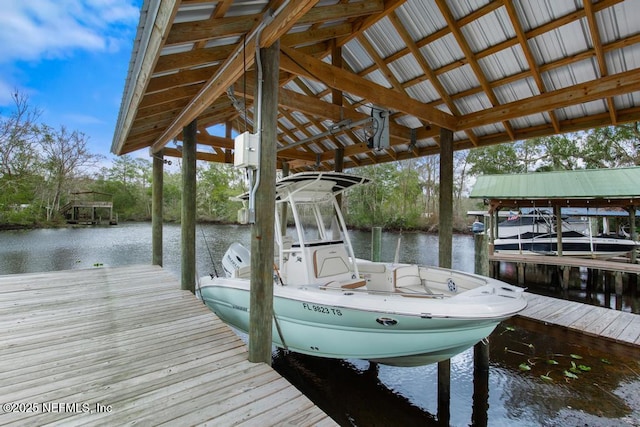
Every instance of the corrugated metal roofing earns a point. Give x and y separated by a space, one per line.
496 69
575 184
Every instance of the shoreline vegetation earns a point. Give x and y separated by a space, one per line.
61 224
44 169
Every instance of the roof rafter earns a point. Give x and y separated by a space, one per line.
337 78
576 94
231 70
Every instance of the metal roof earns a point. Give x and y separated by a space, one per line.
490 71
586 187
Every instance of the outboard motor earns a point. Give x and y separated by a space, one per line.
237 256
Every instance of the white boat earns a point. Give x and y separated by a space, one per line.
328 303
574 244
535 234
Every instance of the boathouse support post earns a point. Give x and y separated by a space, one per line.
479 414
558 214
444 392
566 275
482 254
261 313
445 238
634 233
157 178
445 214
481 349
188 214
618 286
520 267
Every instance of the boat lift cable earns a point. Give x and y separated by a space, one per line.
275 319
210 254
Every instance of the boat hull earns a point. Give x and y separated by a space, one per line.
310 323
575 247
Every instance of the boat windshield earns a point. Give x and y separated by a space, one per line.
317 222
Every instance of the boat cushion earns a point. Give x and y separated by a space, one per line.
330 261
371 267
407 276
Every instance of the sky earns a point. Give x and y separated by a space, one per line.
70 57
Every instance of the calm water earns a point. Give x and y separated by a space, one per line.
355 393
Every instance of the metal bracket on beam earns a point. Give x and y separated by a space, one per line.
338 127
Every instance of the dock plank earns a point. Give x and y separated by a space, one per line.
602 322
131 339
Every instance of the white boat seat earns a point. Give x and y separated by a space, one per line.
407 276
330 261
371 267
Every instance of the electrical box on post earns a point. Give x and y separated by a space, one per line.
246 150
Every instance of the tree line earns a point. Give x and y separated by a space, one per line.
41 167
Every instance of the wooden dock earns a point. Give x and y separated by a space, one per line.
601 322
125 345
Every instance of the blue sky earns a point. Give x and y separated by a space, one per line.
70 57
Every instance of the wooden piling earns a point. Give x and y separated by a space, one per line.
520 272
188 214
634 233
444 392
157 178
262 232
479 414
566 274
376 243
445 213
481 254
445 249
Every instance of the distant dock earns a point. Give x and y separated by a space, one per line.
123 345
592 320
599 322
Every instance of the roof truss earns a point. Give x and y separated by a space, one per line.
491 71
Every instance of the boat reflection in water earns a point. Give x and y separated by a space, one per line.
356 392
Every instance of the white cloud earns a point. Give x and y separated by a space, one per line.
34 29
5 94
82 119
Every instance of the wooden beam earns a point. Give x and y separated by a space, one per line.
135 88
471 58
234 66
318 108
192 58
191 32
336 78
613 85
